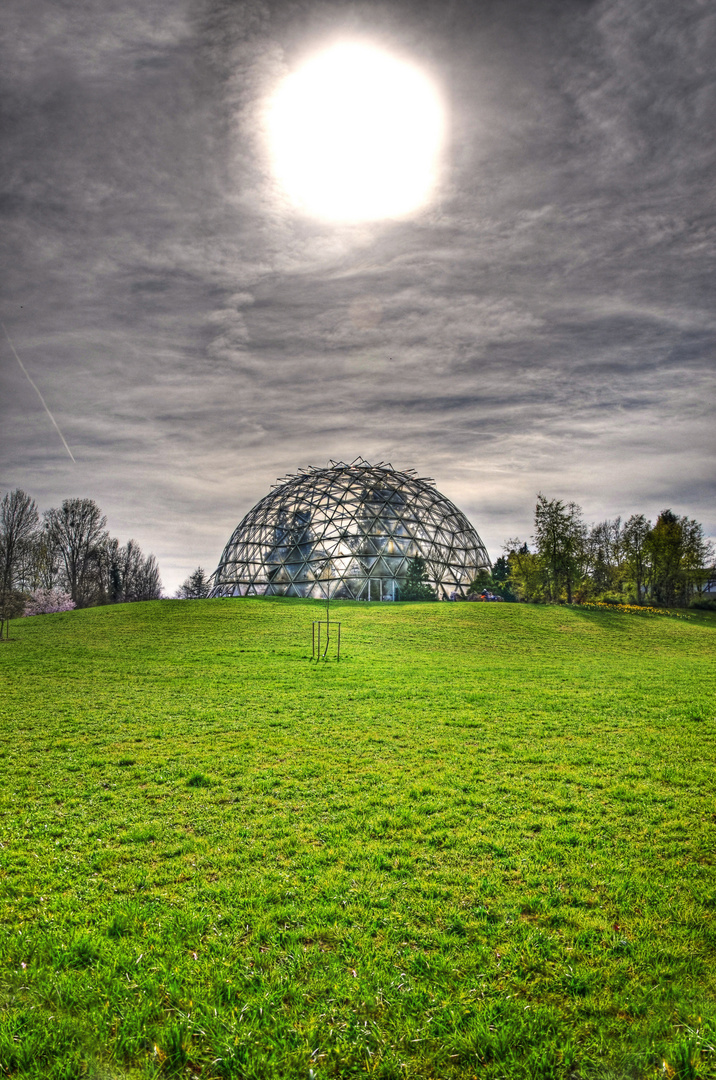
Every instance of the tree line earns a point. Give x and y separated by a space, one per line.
667 563
66 558
68 550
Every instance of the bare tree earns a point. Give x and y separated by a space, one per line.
73 551
78 531
18 529
12 605
147 583
130 576
44 569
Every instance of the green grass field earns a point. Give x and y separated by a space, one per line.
482 845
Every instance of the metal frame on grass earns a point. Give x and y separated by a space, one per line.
316 639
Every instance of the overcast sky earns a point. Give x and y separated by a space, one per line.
546 322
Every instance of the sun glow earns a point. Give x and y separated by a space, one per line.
356 135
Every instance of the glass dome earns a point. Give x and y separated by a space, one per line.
349 530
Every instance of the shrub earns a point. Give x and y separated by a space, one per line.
48 601
703 604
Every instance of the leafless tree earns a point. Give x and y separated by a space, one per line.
127 575
78 531
147 585
18 530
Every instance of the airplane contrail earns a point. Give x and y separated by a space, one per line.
35 388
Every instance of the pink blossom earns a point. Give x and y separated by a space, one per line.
48 601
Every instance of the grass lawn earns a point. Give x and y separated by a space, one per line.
482 845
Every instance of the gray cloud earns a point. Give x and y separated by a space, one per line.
546 323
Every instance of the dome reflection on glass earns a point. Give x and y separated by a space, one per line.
351 530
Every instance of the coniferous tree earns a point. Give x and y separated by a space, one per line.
417 585
501 579
196 587
495 581
482 580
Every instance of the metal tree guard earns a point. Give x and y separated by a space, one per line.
316 637
316 640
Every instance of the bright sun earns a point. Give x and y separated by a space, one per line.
356 135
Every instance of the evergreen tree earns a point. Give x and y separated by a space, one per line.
495 581
501 579
196 587
417 584
482 580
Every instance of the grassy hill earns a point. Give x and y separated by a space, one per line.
480 845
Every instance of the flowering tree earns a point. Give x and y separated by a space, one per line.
48 601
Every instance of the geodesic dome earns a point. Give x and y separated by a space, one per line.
351 530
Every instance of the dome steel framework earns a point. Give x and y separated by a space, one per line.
349 530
